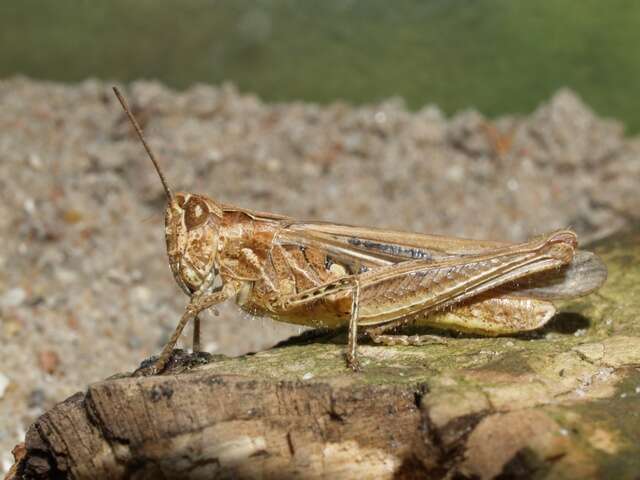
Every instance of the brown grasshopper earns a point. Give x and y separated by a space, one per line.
330 275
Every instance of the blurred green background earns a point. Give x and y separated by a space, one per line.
500 56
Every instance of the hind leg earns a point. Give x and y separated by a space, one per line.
378 336
415 340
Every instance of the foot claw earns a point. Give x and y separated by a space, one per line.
150 367
146 371
354 364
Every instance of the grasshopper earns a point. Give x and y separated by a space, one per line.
331 275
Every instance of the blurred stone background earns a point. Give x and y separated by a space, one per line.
344 111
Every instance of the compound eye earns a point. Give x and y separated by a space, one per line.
196 213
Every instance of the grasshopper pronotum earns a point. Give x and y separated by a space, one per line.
330 275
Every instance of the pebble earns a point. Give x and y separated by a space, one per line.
143 296
6 461
11 326
4 383
134 341
13 297
48 361
36 398
66 276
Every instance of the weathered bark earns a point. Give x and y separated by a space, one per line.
563 403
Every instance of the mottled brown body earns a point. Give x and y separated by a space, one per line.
329 275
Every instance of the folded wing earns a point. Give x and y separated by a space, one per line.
370 247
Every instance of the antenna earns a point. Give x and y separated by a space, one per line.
125 107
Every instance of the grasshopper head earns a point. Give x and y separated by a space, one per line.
191 227
191 231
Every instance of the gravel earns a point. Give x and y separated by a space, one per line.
85 289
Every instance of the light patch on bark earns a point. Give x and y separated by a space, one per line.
349 460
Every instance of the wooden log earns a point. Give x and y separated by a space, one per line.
206 425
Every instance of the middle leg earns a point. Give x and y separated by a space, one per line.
352 344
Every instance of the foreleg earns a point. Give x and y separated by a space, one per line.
197 305
195 344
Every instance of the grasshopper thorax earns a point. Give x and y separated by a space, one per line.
192 224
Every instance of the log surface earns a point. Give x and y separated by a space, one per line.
560 403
